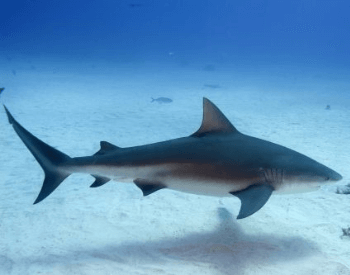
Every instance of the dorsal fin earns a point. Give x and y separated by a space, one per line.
214 121
105 148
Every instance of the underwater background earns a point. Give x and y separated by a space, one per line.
78 72
253 34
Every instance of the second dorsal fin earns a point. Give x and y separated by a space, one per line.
214 121
106 147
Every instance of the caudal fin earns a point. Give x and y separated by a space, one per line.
50 159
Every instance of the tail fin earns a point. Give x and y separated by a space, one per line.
49 158
152 99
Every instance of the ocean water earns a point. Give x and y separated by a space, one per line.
79 72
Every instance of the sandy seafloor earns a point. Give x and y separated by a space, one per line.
113 229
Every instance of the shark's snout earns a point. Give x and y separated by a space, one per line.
334 176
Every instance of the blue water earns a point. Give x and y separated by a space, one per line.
243 33
78 72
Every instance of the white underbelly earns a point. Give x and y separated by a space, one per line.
164 174
219 189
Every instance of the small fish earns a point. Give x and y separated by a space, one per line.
212 86
209 68
1 90
133 5
162 100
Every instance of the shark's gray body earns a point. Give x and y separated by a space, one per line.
216 160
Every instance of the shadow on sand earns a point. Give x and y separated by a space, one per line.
226 250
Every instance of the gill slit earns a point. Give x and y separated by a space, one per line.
274 176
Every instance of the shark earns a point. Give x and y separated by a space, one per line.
216 160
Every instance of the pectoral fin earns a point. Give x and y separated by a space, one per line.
148 187
253 198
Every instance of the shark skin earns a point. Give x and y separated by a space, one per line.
217 160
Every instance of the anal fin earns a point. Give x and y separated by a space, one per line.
148 187
253 198
99 181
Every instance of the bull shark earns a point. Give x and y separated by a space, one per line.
216 160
